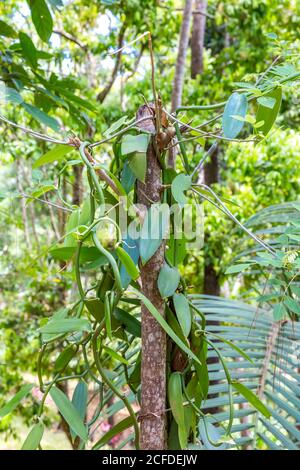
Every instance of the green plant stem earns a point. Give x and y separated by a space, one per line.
108 382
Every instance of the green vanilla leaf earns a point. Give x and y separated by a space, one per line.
34 437
183 313
134 143
267 114
128 321
175 397
57 153
114 431
168 280
14 402
237 105
138 165
154 229
80 402
180 184
69 412
158 317
252 398
65 326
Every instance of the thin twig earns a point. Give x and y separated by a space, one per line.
38 135
27 196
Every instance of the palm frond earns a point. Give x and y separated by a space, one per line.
274 374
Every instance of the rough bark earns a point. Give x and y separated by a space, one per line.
182 50
197 41
153 373
77 188
211 280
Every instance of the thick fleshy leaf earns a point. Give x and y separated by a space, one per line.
66 326
128 177
138 165
34 437
168 280
175 397
180 184
114 431
69 412
14 402
154 230
267 114
57 153
134 143
237 105
80 401
252 398
183 313
158 317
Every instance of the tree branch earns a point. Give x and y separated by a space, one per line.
102 95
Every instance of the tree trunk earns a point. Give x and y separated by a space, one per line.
211 280
180 66
103 94
77 188
182 49
197 41
153 373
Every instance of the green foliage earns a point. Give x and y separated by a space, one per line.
71 287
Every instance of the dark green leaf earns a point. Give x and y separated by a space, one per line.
6 30
64 358
41 18
128 177
130 323
267 114
28 49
